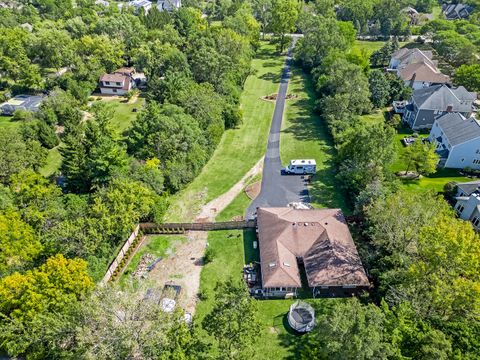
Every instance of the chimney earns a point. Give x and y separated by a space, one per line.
449 108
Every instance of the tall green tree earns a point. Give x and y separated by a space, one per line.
421 157
233 321
284 18
379 88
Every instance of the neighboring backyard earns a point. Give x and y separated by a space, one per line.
240 148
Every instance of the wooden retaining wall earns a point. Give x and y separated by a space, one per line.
121 254
168 228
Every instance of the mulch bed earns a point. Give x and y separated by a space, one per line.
273 97
253 190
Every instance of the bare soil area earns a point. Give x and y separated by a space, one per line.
184 267
273 97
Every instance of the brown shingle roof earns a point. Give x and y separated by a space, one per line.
113 78
320 237
423 71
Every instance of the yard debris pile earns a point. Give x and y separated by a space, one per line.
143 266
273 97
300 206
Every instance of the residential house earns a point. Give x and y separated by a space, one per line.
416 68
21 102
432 102
118 83
421 75
146 5
315 243
169 5
403 57
457 141
467 203
456 11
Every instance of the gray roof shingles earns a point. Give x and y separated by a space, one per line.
457 129
439 97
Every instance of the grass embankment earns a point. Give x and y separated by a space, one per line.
305 136
6 122
239 148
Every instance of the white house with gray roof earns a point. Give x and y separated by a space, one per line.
457 141
468 202
428 104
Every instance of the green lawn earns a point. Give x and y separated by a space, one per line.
158 246
239 148
6 122
54 161
232 249
371 46
434 182
377 116
124 115
305 136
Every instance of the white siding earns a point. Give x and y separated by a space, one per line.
464 155
113 91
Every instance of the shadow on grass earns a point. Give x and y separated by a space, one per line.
271 76
307 126
251 255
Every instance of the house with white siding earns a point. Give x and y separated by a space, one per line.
117 83
467 203
169 5
457 141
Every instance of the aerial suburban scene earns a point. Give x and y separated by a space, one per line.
240 179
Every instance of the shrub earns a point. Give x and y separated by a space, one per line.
209 255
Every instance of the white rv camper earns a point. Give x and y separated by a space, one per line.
301 167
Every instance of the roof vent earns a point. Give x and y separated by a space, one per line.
272 264
306 224
326 223
286 264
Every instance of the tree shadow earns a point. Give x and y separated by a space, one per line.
271 76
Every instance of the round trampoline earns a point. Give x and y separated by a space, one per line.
301 317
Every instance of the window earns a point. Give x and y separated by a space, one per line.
460 208
478 151
476 161
119 84
475 221
463 159
114 90
107 82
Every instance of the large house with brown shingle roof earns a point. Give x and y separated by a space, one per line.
316 243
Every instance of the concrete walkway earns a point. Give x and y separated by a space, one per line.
278 189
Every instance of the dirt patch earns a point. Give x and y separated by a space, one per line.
184 267
253 190
411 175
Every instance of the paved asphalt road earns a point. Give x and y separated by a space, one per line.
278 189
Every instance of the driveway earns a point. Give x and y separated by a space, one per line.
278 190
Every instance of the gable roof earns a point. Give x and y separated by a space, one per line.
469 187
423 71
320 236
457 129
410 56
457 11
440 97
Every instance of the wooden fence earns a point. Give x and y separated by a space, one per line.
121 254
152 228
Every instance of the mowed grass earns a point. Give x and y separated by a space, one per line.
239 148
54 161
124 114
305 136
6 122
156 245
232 249
371 46
432 183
